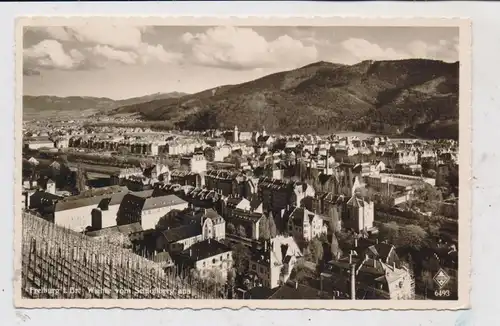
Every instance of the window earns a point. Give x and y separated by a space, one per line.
213 261
254 267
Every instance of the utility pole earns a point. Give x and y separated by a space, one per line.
353 281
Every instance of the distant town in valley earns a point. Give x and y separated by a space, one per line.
330 181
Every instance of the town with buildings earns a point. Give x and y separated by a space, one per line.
335 180
253 214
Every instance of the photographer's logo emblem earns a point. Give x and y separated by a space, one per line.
441 278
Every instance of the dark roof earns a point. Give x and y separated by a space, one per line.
263 138
123 229
298 215
152 202
72 204
82 201
115 199
296 292
232 202
261 292
182 232
205 249
163 201
213 215
255 202
381 250
144 193
130 228
244 215
45 194
364 266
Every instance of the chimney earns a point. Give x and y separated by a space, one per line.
353 282
355 242
265 245
296 285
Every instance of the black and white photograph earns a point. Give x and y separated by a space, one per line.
234 161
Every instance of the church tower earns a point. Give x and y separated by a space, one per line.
236 135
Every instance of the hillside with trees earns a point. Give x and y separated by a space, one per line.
33 105
413 96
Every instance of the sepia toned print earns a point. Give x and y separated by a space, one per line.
284 163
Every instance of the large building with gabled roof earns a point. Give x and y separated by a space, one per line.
147 210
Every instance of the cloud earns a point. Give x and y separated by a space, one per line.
100 44
30 72
243 48
446 50
144 54
150 53
358 49
58 33
120 37
362 49
125 57
51 54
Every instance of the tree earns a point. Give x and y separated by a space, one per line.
433 230
81 179
412 236
215 277
335 224
209 154
431 173
230 228
242 232
428 198
231 276
235 159
389 232
272 226
241 255
264 232
167 220
314 251
300 272
335 248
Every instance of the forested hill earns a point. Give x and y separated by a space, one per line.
414 96
46 104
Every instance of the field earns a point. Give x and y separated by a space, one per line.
59 263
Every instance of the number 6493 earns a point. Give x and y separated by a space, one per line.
442 293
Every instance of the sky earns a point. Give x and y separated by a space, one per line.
124 61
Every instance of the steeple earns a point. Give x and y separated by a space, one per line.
236 135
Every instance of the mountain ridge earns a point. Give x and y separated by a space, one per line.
416 96
34 103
